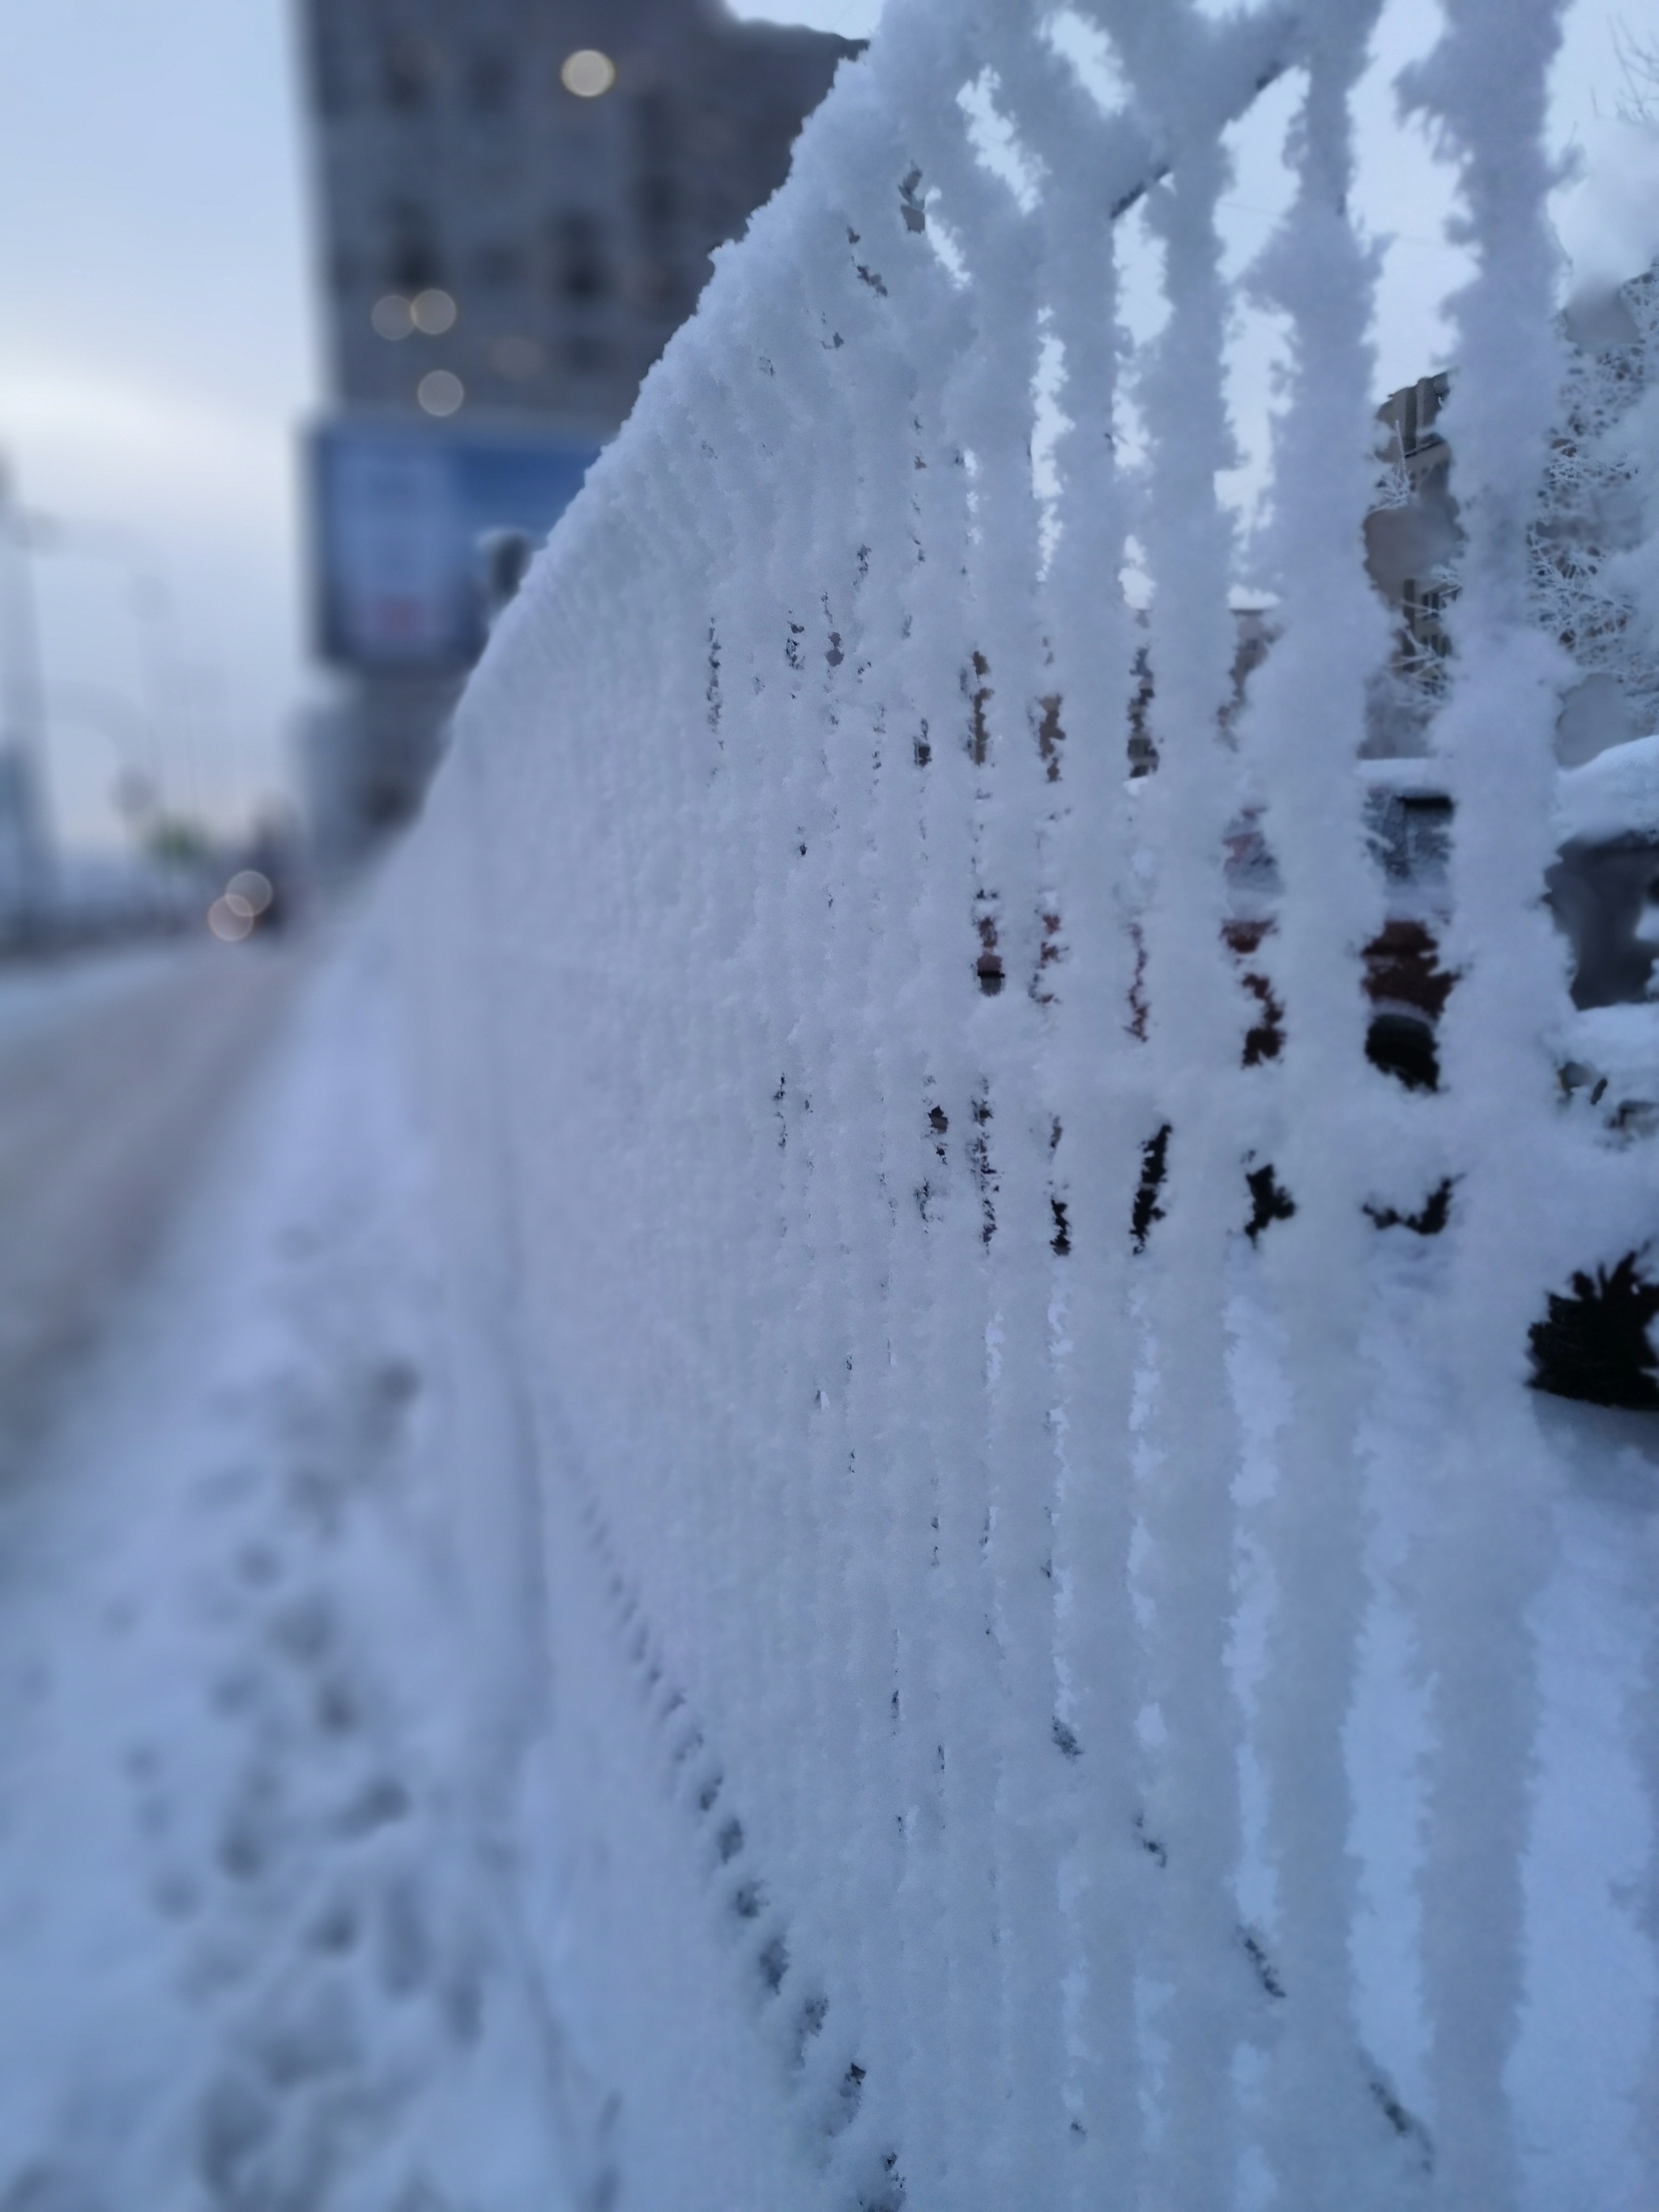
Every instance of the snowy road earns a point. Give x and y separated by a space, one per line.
115 1072
253 1949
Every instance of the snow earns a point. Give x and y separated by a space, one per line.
252 1947
1615 795
802 998
269 1932
897 1651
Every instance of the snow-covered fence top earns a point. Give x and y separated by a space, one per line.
919 1417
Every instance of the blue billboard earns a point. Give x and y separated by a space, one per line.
404 514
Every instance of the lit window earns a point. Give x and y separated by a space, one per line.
434 312
587 73
440 391
392 316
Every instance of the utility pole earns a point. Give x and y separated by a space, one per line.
25 860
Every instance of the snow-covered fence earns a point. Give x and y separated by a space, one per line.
917 1429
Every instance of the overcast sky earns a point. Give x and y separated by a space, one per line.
158 345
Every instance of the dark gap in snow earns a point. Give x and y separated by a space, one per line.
1150 1843
1256 1952
1265 1038
979 739
979 1159
1143 748
988 965
1049 955
1154 1165
1429 1219
1050 736
886 2193
774 1963
1269 1200
1594 1343
1405 2123
809 2024
1402 1045
851 2097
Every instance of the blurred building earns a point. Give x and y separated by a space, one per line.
517 200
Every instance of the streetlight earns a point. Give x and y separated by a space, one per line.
176 693
136 793
168 682
149 602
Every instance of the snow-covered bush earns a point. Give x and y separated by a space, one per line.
945 1503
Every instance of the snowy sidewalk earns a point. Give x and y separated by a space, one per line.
251 1950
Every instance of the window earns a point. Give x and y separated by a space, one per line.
490 82
499 267
656 199
581 272
410 71
414 263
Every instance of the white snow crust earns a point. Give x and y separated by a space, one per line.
1036 1714
895 1656
1615 795
257 1948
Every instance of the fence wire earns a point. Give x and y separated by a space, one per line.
918 1231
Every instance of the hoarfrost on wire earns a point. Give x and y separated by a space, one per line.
987 1471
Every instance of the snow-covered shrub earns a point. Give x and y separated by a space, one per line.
920 1391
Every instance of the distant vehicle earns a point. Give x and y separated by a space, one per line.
253 900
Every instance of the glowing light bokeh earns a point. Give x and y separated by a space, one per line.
587 73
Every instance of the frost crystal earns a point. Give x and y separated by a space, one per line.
1004 1391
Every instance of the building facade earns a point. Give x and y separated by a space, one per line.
517 200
